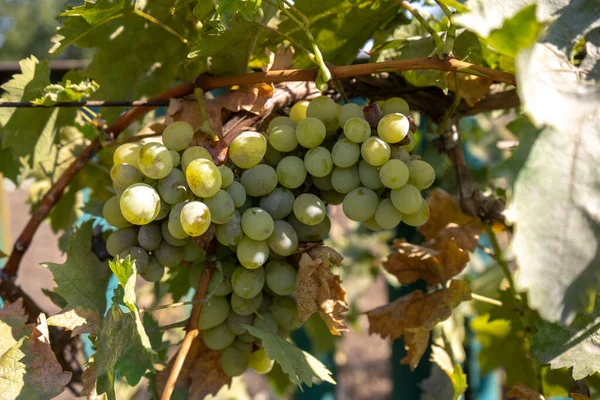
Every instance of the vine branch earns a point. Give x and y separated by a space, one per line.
436 38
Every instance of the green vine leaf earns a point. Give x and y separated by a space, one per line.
70 91
228 9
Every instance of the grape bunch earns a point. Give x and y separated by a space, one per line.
270 198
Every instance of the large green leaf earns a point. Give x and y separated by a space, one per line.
518 32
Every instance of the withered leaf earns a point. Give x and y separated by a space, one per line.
79 320
472 88
522 392
13 324
577 396
411 262
415 343
281 59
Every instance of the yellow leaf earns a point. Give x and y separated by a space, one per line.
472 88
522 392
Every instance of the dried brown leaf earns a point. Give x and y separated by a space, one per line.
522 392
411 262
577 396
13 324
89 383
465 236
472 88
78 320
415 343
281 59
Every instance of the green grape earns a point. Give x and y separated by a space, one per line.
399 153
298 111
219 285
173 188
178 135
140 204
266 322
121 240
323 108
345 180
195 218
203 177
318 162
176 158
259 180
252 253
395 105
310 132
393 128
380 103
235 322
350 110
394 174
260 362
149 236
248 283
111 211
281 121
247 338
226 176
191 252
245 307
155 161
214 312
237 193
387 216
118 190
285 313
308 233
415 157
283 138
266 301
333 197
137 255
175 226
357 130
272 156
221 207
153 271
230 233
309 209
372 224
322 182
218 337
360 204
257 224
167 237
284 240
165 209
369 175
407 199
278 203
291 172
280 277
413 142
167 255
247 149
194 153
418 218
234 361
422 174
127 154
125 175
345 153
375 151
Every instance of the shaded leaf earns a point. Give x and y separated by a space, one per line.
517 32
416 341
13 324
227 9
454 372
55 298
522 392
472 88
301 367
458 6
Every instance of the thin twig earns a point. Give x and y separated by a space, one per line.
485 299
444 8
436 38
165 27
502 262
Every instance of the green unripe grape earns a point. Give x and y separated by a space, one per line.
176 158
360 204
322 182
310 233
235 322
234 361
127 153
257 224
194 153
149 236
111 211
422 174
121 240
221 207
191 252
380 103
137 255
219 337
154 271
247 338
245 307
140 204
372 224
226 176
395 105
345 180
387 216
407 199
283 138
272 156
173 188
175 226
178 135
333 197
195 218
309 209
350 110
219 285
345 153
230 233
252 253
318 162
248 283
400 153
167 255
310 132
125 175
247 149
393 128
265 322
323 108
259 180
285 313
203 177
375 151
154 160
165 209
284 239
214 312
291 172
298 111
369 175
394 174
237 193
260 362
413 142
281 121
357 130
418 218
278 203
280 278
169 238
